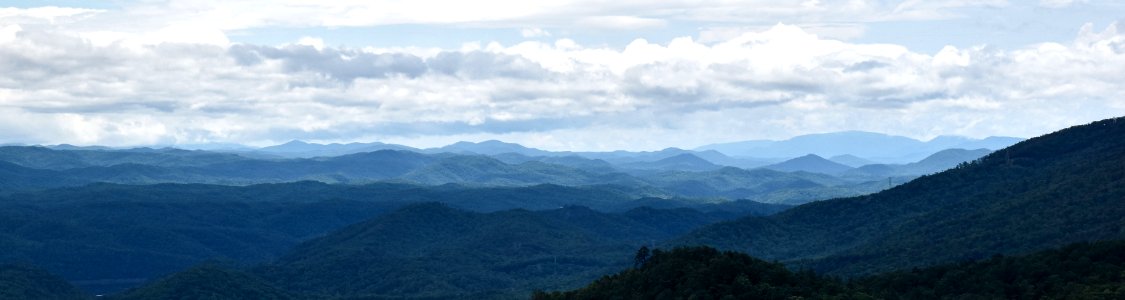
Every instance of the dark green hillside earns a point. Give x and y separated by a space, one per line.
207 282
21 282
706 273
114 242
1080 271
107 236
1045 192
432 250
15 177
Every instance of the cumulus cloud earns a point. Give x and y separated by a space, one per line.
59 85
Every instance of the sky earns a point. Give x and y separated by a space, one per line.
552 74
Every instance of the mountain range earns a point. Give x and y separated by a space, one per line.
1047 192
459 224
857 147
32 168
866 145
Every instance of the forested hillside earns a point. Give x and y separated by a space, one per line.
106 236
432 250
706 273
1045 192
19 282
1079 271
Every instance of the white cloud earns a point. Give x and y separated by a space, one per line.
59 85
316 43
210 21
534 32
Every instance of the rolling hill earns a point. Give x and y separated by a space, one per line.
106 237
435 251
706 273
207 281
682 162
18 282
809 163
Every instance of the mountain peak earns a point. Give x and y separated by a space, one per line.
809 163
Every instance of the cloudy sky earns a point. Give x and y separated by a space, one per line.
553 74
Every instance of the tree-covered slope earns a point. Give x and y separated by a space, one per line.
18 282
15 177
1078 271
432 250
106 237
207 282
705 273
1045 192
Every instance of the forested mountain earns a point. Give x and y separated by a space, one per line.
1079 271
809 163
706 273
1045 192
208 281
432 250
14 177
106 237
18 282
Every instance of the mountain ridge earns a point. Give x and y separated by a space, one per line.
957 211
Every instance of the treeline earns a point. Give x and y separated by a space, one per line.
1078 271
